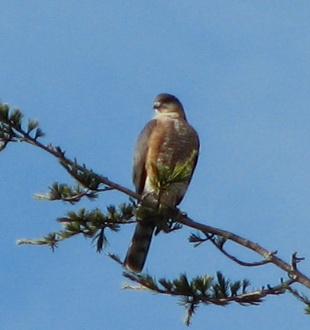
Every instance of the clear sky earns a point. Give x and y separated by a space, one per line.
89 70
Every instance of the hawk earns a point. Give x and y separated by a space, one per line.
165 157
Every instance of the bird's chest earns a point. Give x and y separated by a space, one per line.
169 145
168 142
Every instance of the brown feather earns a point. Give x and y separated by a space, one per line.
165 142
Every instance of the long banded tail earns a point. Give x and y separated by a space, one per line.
139 246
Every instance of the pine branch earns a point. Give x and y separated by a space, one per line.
61 191
11 124
92 224
301 297
270 256
11 130
205 290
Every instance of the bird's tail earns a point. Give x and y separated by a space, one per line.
139 246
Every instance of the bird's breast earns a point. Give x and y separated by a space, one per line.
172 141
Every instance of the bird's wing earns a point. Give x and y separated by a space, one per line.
142 146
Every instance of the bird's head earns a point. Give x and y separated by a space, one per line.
168 104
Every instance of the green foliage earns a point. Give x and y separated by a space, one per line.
201 290
6 131
16 118
160 218
164 177
11 127
32 124
62 191
91 224
204 290
84 176
4 112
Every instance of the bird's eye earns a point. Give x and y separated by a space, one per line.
157 104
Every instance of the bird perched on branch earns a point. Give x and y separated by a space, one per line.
165 158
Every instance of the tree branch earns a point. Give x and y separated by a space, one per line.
219 242
92 224
11 129
290 269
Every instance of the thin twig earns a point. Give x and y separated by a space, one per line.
239 261
180 217
268 255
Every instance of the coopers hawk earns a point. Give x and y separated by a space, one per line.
167 148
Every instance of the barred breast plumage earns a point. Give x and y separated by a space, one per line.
165 143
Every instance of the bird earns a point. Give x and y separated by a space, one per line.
165 158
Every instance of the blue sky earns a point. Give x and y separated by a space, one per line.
89 72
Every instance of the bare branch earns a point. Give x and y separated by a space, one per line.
220 246
268 255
